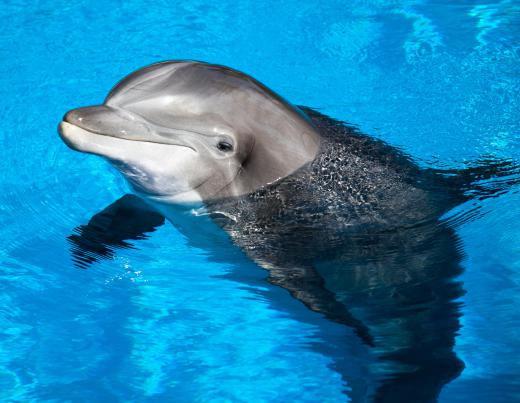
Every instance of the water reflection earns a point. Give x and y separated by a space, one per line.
127 219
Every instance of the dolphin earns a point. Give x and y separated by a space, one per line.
349 225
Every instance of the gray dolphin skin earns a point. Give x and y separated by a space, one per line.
213 121
349 225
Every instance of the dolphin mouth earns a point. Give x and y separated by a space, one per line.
110 122
106 145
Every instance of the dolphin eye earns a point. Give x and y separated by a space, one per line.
224 146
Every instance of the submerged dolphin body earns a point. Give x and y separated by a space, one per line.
349 225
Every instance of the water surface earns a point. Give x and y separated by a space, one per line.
164 321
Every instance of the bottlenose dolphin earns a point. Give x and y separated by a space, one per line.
349 225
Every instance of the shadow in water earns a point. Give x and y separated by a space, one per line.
129 218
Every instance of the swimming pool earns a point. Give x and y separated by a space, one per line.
163 321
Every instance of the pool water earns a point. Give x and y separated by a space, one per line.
163 321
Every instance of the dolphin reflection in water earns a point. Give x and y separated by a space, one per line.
347 224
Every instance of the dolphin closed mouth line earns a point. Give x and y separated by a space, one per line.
64 122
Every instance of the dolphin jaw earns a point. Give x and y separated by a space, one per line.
123 154
83 140
74 136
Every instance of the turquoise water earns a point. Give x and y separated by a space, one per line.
163 321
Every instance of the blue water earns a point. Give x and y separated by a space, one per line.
162 321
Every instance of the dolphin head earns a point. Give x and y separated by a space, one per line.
185 132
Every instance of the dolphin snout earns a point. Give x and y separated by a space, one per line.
108 121
118 123
91 117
